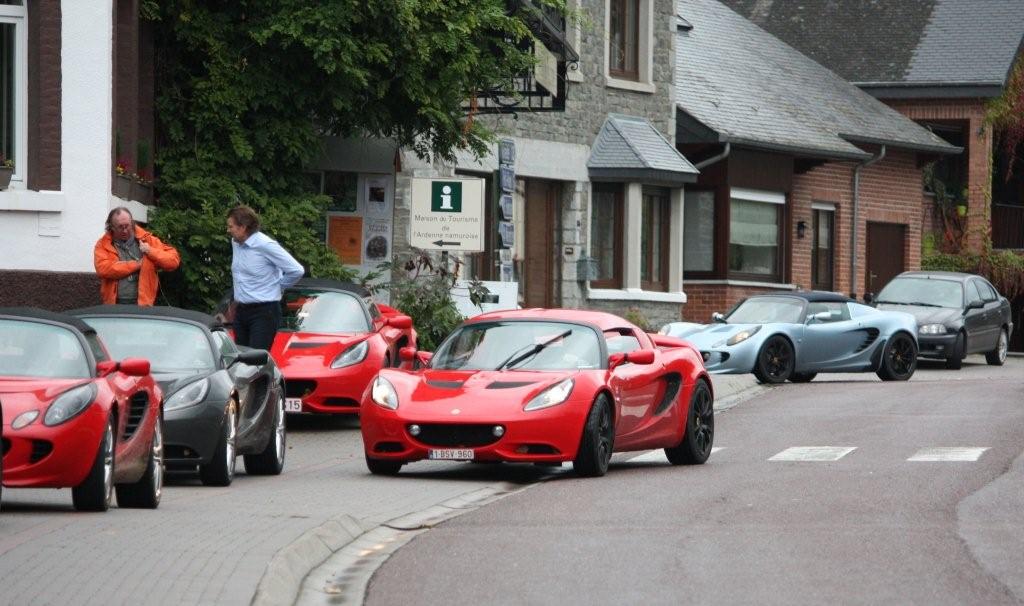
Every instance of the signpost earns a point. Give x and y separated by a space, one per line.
447 214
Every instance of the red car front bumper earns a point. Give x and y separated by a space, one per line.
37 456
330 391
548 435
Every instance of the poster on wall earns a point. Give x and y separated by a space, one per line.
377 235
377 197
345 237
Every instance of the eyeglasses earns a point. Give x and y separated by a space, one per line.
125 227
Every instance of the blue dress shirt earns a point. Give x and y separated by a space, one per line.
261 269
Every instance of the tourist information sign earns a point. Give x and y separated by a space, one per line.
447 214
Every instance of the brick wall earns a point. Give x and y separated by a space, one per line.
705 299
53 290
979 150
44 95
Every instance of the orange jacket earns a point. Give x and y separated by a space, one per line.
111 269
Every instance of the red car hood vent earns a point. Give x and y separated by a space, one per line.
509 384
307 345
444 384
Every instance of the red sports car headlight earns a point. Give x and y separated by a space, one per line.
352 355
384 394
69 404
552 396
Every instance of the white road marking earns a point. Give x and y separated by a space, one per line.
954 453
658 456
813 453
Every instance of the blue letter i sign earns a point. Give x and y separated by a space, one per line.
446 197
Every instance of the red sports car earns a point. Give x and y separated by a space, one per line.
75 418
332 342
542 386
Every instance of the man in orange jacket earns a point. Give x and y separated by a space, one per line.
127 258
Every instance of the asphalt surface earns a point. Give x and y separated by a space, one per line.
870 527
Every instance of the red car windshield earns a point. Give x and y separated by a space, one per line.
522 345
34 349
305 310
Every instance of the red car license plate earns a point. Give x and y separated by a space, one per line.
450 454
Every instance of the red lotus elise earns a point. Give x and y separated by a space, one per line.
73 417
332 342
542 386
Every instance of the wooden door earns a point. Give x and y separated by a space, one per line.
539 224
885 258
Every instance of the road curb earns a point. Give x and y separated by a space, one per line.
283 576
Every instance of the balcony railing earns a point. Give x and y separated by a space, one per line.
1007 226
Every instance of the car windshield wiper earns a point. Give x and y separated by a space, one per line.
533 350
918 303
923 304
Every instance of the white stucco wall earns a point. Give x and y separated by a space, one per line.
56 231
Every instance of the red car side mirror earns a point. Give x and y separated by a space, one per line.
641 356
407 354
616 359
105 368
134 367
402 322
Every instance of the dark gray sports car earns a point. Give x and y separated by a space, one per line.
957 314
220 400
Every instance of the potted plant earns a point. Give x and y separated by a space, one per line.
122 180
142 186
6 171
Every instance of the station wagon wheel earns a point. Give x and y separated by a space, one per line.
997 357
596 445
899 360
695 446
775 361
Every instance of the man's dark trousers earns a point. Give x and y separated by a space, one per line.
256 324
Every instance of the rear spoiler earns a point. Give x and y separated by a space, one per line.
667 341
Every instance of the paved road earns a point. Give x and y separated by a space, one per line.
871 526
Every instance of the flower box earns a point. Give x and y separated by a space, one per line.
123 187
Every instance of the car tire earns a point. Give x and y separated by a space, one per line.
899 359
802 377
997 357
956 360
695 447
220 471
145 494
270 461
597 442
775 360
97 490
383 467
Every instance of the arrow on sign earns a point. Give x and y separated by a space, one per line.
443 243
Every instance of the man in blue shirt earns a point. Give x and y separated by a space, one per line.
261 269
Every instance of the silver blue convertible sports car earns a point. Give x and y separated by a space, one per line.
796 335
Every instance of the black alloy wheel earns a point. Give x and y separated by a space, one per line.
270 461
597 442
775 360
146 493
695 447
97 490
899 360
956 357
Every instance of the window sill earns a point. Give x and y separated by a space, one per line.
637 87
32 201
749 283
635 294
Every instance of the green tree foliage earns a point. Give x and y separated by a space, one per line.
247 88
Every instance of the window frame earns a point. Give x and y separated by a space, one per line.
626 73
659 283
17 15
780 242
712 272
618 245
816 214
